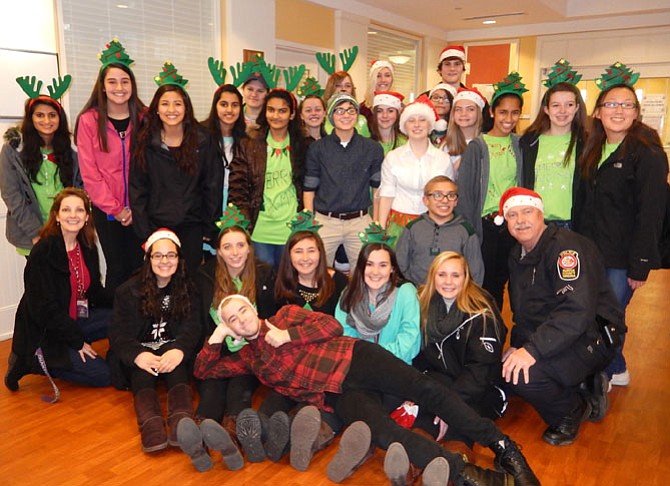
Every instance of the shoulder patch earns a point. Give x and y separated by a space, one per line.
568 265
468 227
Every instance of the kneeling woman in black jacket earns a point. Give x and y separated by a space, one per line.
155 330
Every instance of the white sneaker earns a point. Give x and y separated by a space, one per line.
620 379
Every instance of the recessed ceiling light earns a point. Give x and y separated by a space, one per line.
488 22
121 5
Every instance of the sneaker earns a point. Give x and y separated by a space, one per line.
510 459
279 430
249 431
396 464
189 438
621 379
217 438
304 431
436 473
354 449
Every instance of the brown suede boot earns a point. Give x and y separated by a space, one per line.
180 405
150 420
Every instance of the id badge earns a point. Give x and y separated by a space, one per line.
82 308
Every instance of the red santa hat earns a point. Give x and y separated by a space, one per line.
422 106
470 94
388 98
453 51
378 64
517 196
161 234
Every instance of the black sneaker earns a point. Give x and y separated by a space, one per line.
472 475
510 459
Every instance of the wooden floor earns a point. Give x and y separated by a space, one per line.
90 436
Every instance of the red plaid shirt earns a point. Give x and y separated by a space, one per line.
316 360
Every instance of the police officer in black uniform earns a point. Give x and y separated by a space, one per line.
567 319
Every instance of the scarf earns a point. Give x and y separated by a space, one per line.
370 323
441 323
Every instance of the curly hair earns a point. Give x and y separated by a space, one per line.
181 292
31 157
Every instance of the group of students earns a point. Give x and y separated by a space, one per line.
232 192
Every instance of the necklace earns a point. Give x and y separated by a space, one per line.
78 271
308 296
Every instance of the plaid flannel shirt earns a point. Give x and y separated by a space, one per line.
315 361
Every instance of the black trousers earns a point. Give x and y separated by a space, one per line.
375 371
225 396
496 245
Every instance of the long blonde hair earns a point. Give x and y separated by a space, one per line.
471 300
455 140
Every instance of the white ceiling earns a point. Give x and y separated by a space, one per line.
462 19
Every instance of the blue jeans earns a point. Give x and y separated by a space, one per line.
618 279
269 253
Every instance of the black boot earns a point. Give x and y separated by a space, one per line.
596 394
566 431
180 405
510 459
472 475
249 432
191 442
277 435
15 371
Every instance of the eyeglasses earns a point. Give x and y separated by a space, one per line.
158 257
438 196
443 99
349 111
626 105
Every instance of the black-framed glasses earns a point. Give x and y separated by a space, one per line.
349 111
443 99
158 257
613 105
438 196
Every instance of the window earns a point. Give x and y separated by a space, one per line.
403 52
152 31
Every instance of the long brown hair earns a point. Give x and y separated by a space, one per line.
150 132
86 235
286 284
357 287
542 123
455 140
98 101
638 134
223 285
471 300
375 134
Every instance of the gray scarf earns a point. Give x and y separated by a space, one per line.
369 324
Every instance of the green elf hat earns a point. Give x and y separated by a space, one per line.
562 73
304 221
311 86
232 217
169 75
114 53
32 86
615 75
375 234
511 84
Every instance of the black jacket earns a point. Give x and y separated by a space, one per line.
556 291
166 196
129 326
42 318
469 355
622 208
265 286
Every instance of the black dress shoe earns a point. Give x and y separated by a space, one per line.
597 386
15 371
566 431
472 475
510 459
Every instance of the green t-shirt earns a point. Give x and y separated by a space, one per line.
280 199
48 183
608 150
553 179
388 146
502 171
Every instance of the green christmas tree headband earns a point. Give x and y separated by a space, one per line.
169 75
114 53
616 75
375 234
32 86
311 86
232 217
511 84
562 73
304 221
